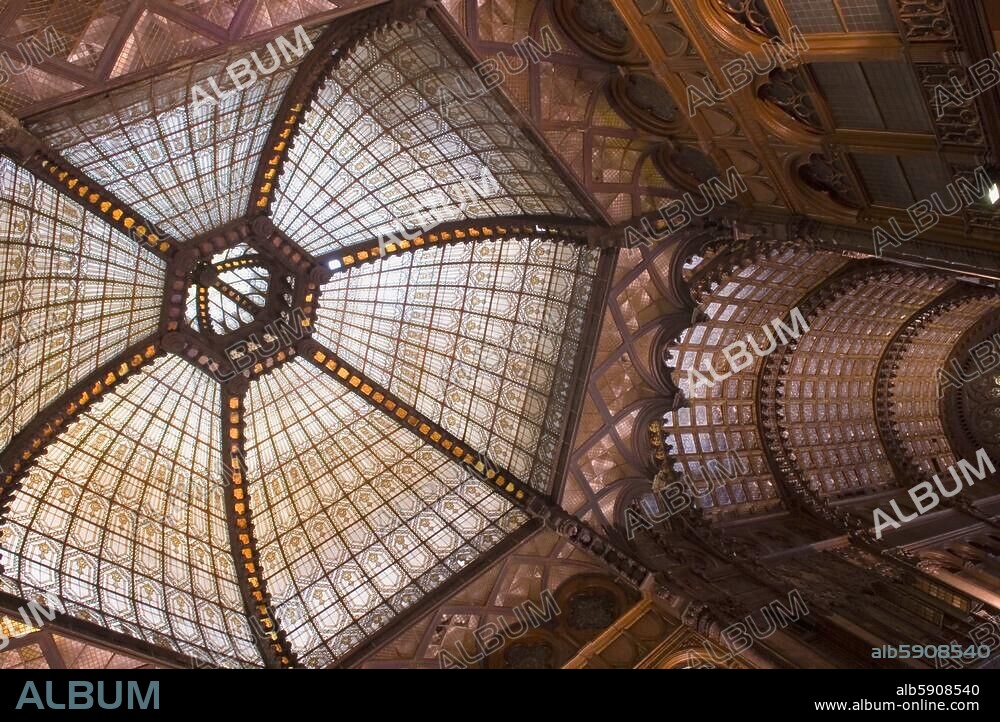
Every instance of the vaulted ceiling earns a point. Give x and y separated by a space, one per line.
258 410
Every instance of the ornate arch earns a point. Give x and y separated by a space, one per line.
971 393
908 404
719 421
741 25
825 411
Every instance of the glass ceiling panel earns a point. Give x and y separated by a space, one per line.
121 521
915 405
186 165
379 152
74 293
480 337
356 519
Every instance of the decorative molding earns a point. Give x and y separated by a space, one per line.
560 230
754 15
729 256
645 104
828 174
955 123
335 44
907 472
686 166
966 410
771 421
52 168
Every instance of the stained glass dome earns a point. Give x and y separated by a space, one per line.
249 397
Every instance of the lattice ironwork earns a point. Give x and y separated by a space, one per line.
179 159
113 522
479 336
75 293
64 51
827 393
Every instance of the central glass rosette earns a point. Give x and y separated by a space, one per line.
228 292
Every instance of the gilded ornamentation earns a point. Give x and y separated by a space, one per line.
926 20
787 90
751 14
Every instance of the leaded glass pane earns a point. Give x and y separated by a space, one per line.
185 165
124 520
721 425
915 394
384 149
356 519
74 293
829 403
480 337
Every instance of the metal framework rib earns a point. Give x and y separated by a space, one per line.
500 228
240 299
33 440
437 596
204 316
271 640
52 168
497 478
334 44
77 185
251 260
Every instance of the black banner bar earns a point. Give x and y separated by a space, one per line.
818 692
